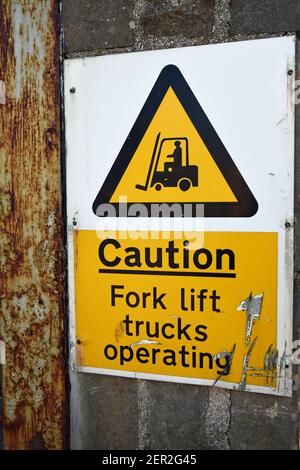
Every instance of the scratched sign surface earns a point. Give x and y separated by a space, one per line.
180 214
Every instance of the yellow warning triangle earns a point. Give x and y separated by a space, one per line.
172 122
173 155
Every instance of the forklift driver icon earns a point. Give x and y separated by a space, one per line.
175 173
177 157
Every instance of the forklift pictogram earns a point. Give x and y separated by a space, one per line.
175 173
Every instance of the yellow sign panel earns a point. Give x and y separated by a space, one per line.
171 307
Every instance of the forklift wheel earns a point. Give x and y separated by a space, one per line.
158 187
184 184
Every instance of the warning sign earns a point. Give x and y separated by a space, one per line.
162 308
180 215
174 155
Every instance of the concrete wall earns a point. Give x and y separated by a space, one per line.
118 413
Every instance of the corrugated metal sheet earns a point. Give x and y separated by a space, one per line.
31 234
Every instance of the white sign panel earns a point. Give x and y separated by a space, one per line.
180 170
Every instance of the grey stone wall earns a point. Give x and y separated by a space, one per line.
119 413
93 27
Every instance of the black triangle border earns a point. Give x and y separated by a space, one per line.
246 205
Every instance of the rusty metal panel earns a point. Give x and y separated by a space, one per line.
31 234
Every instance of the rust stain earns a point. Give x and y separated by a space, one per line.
119 331
79 358
31 235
